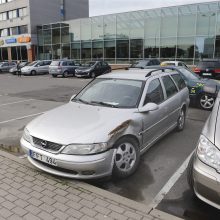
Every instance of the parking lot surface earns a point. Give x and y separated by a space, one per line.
22 99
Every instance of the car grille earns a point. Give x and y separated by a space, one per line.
47 144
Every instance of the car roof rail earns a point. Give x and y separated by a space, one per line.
162 70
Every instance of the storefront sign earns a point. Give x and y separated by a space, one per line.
1 42
11 41
24 39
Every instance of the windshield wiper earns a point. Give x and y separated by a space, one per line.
104 104
82 101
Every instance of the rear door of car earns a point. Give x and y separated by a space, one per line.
71 67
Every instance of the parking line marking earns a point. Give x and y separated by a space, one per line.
11 103
159 197
15 119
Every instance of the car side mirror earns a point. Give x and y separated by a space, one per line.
73 96
149 107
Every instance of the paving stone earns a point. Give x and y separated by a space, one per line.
74 205
116 208
16 185
47 208
86 203
15 217
19 211
132 215
103 217
8 205
45 216
102 210
23 196
61 192
86 196
35 202
74 213
10 198
21 203
36 194
30 216
117 216
37 188
88 211
48 200
101 202
60 206
73 197
60 215
85 217
5 213
33 209
60 199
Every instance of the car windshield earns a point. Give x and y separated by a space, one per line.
55 63
189 75
32 64
115 93
89 64
138 64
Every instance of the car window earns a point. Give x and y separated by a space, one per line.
55 63
180 64
179 81
154 92
104 64
71 63
64 63
169 86
48 62
98 65
40 64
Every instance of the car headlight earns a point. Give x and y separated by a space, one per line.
26 135
208 153
84 149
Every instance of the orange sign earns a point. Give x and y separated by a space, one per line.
24 39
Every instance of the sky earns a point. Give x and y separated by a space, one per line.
101 7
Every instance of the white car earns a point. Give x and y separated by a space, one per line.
174 63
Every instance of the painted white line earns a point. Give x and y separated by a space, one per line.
159 197
15 119
12 103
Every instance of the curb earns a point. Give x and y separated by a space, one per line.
146 210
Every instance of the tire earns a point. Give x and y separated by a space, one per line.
181 120
65 74
54 76
92 75
206 102
127 157
190 173
33 73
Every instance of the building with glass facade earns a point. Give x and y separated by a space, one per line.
187 33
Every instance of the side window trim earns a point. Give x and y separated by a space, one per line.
165 87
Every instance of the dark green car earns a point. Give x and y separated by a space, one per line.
202 92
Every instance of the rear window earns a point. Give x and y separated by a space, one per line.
179 81
55 63
209 64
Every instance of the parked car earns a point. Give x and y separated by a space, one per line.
63 68
203 173
173 63
144 63
105 128
93 69
208 68
6 66
198 88
14 70
36 67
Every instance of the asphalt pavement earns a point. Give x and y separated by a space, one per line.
156 182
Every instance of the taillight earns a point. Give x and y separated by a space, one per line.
217 70
197 70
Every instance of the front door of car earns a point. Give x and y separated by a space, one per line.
98 69
5 67
153 121
173 100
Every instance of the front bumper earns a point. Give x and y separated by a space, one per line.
73 166
206 183
26 72
82 74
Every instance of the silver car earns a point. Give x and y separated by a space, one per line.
204 167
36 67
105 128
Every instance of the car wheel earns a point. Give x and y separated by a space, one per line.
206 102
92 75
53 75
181 120
33 72
65 74
190 173
127 157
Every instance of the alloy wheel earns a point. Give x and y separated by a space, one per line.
207 102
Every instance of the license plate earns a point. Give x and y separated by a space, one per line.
207 74
42 158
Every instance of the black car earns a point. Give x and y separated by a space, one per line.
93 69
14 70
144 63
208 68
199 89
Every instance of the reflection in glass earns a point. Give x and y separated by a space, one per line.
74 30
204 47
122 48
97 28
136 24
75 51
97 50
168 47
47 36
86 29
66 51
65 37
109 26
47 52
109 49
151 47
56 51
217 46
123 26
136 48
185 47
56 36
86 50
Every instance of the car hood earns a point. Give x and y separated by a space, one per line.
84 69
78 123
13 68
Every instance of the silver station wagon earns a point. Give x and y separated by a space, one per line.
105 128
204 167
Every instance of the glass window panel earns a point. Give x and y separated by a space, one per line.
23 29
122 48
151 47
217 46
4 53
152 23
56 36
218 24
204 8
47 53
186 25
206 23
109 26
169 22
169 86
74 29
168 47
4 16
185 47
75 50
47 36
40 37
97 28
56 51
187 9
86 50
65 37
109 49
86 29
97 50
204 47
137 24
14 53
136 48
123 26
66 51
14 30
